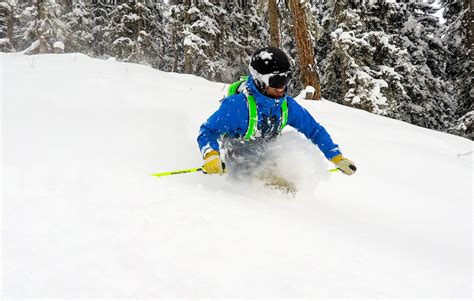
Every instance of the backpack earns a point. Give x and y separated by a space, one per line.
252 106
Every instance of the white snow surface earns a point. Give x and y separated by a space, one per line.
83 218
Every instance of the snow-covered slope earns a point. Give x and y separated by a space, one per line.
83 218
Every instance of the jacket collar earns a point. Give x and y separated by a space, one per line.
261 99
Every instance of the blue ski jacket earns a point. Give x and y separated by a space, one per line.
232 118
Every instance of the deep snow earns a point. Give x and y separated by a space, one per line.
83 218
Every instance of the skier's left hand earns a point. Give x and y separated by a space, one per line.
345 165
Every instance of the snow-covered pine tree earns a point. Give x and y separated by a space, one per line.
8 9
323 24
174 19
100 12
195 30
385 59
425 82
157 35
214 39
78 19
242 34
200 36
347 76
40 25
131 33
458 39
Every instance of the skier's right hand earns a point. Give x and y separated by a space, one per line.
213 163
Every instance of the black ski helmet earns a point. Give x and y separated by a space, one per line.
270 66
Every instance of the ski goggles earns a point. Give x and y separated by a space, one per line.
279 80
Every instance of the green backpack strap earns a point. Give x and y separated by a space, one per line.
284 114
253 118
235 86
252 105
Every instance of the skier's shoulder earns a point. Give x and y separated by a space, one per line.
292 103
291 100
297 112
236 92
234 100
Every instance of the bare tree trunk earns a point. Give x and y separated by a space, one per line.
10 24
274 23
188 67
469 27
41 27
305 49
343 62
175 49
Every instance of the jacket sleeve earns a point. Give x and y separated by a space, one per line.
301 119
231 118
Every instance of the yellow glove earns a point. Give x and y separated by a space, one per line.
343 164
213 163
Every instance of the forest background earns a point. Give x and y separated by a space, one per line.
409 60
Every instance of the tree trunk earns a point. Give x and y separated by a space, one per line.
188 67
469 27
274 23
11 24
309 72
175 49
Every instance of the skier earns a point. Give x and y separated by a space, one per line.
255 112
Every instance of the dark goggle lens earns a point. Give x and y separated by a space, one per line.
279 81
